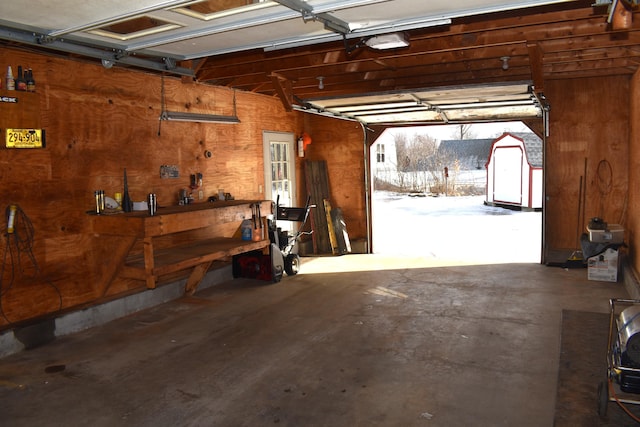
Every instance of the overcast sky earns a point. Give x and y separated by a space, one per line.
481 130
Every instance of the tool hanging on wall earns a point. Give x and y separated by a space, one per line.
576 260
19 239
256 218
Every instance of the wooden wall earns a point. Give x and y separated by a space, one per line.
589 127
341 144
633 209
100 121
97 123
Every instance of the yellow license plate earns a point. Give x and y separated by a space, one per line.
25 138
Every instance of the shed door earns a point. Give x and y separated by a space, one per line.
507 175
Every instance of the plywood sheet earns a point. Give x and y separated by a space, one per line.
317 183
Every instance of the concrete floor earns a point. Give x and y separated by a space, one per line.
358 340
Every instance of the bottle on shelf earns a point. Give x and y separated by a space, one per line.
20 82
127 204
31 82
9 81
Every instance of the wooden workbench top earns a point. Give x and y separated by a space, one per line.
174 219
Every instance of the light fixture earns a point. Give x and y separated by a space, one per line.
107 63
185 116
356 33
177 116
505 62
387 41
320 82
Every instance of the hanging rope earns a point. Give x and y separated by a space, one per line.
18 254
604 174
605 177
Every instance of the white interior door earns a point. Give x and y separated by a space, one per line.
279 169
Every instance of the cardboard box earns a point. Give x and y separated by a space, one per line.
614 233
603 267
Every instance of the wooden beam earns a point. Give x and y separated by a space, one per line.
115 261
187 64
461 36
196 276
284 93
468 51
535 62
149 263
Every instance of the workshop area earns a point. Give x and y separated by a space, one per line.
188 235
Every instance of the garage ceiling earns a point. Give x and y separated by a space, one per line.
466 61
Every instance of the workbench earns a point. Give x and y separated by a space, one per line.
181 237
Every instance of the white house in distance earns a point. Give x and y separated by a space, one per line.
514 172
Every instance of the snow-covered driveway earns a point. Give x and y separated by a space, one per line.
454 228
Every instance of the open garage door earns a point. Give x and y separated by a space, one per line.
447 105
470 104
453 217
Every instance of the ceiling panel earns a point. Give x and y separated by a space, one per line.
220 37
262 24
72 15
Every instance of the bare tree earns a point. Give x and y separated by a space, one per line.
415 153
403 151
463 131
420 163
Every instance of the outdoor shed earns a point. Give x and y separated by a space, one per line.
514 171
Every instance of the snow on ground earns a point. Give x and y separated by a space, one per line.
454 228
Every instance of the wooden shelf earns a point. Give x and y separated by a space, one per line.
178 258
197 255
175 219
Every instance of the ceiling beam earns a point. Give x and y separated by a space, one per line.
537 71
535 27
531 44
283 90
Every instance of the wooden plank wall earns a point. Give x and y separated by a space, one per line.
341 144
633 210
589 123
317 186
99 122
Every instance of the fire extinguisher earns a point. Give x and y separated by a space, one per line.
303 141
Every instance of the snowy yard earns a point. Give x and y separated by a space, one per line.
454 228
